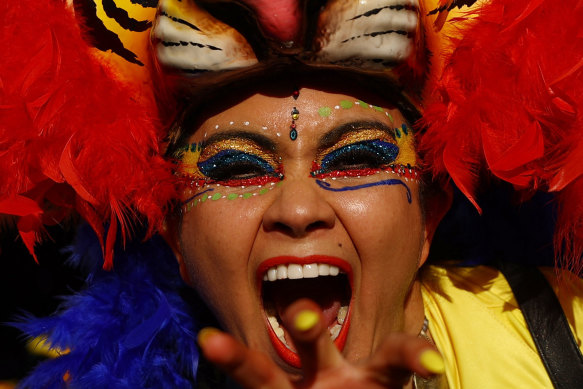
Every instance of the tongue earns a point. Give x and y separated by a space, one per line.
324 291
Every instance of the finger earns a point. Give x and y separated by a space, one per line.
310 336
251 369
401 355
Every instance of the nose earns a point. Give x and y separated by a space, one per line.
299 209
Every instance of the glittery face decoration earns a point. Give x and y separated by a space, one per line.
295 115
365 150
229 166
293 132
326 111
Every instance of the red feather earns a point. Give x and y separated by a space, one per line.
509 102
71 127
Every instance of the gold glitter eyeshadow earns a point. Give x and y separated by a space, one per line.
238 144
355 137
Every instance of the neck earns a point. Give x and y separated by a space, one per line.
414 311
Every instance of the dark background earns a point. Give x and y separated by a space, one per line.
26 286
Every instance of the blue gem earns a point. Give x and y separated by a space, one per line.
293 134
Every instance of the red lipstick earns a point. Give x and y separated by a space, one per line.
280 347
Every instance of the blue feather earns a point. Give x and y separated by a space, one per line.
129 328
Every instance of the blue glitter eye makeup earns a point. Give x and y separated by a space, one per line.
367 154
234 164
357 153
235 161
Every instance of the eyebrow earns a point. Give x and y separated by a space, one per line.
259 139
334 135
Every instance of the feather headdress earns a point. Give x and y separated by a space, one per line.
74 136
80 131
508 103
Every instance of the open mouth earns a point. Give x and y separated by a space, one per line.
325 280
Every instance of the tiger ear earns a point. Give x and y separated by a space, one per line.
214 44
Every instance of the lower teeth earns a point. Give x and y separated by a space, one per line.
335 331
279 332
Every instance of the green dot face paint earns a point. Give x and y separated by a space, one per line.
346 104
229 166
233 165
217 192
326 111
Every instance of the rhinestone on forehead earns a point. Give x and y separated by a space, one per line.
293 133
295 114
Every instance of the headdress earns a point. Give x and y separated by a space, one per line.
505 106
81 130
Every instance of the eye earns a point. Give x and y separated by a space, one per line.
229 165
370 154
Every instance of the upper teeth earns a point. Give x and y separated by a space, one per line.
294 271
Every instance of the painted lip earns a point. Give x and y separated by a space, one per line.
284 353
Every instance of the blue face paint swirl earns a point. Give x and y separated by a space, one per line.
392 181
196 195
385 153
228 158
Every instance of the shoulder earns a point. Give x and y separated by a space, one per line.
476 323
487 283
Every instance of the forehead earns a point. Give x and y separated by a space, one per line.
271 111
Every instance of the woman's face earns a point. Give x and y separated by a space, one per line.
269 219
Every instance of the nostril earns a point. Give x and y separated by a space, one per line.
316 226
283 228
289 230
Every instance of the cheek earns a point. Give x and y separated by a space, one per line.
216 239
387 232
381 214
386 229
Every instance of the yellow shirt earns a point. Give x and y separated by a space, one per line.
477 326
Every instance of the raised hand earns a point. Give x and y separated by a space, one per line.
390 366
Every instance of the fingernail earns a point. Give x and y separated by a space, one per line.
432 361
306 320
206 333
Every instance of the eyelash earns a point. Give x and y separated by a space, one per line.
238 168
361 158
